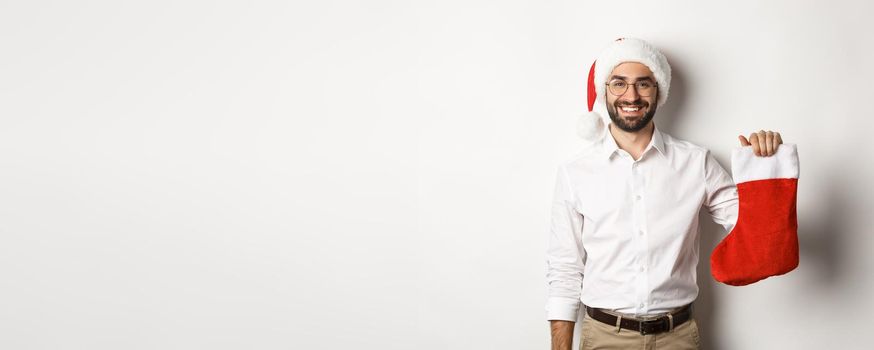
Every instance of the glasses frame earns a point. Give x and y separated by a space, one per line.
636 88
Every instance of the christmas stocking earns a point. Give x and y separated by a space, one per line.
764 241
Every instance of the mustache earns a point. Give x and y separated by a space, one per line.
638 103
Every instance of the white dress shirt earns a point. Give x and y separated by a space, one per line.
624 233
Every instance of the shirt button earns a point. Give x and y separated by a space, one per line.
641 305
640 232
638 197
641 268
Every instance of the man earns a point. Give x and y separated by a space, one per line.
624 235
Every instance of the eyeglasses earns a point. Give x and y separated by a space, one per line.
645 88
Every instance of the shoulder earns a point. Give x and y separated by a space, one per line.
688 155
586 158
683 147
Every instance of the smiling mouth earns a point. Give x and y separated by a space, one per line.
631 109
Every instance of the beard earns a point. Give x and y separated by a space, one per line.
630 125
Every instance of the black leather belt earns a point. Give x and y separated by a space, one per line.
658 325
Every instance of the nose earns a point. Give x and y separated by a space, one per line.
631 93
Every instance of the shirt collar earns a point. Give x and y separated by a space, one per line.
609 145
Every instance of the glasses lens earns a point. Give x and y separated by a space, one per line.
645 88
617 87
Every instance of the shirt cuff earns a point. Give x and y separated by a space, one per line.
563 309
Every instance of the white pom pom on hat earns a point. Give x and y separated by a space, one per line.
592 126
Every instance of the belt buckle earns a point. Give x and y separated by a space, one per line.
642 324
653 321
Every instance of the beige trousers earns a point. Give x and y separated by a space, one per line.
600 336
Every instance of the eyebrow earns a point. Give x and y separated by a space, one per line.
625 78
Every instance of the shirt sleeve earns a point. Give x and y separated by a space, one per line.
565 256
721 198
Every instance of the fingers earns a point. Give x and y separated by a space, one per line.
754 141
743 141
765 143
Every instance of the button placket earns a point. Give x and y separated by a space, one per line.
639 222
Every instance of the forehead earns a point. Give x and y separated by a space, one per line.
632 70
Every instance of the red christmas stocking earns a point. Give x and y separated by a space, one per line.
764 241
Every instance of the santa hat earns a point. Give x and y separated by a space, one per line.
592 125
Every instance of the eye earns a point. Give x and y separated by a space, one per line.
617 84
644 85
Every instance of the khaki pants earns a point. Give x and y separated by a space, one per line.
600 336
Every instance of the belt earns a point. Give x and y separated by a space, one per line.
654 326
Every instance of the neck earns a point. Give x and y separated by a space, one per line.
633 142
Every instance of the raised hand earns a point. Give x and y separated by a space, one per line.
764 143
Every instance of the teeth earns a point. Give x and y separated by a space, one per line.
630 109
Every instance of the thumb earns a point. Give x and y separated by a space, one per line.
744 141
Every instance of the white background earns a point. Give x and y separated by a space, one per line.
378 174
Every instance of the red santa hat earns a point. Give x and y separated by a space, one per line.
592 125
